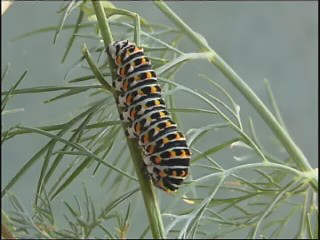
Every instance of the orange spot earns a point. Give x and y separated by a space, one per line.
162 174
138 128
125 85
165 140
118 60
129 99
183 154
133 114
155 89
180 136
145 138
149 75
157 160
174 173
150 149
156 130
122 73
172 154
162 114
136 78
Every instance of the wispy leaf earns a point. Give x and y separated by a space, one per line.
73 36
12 89
215 149
50 29
67 12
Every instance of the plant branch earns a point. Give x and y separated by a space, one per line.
149 196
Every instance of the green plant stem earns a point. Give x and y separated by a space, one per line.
148 193
293 150
274 104
102 23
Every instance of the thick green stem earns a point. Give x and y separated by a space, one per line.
282 135
148 193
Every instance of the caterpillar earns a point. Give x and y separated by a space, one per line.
165 151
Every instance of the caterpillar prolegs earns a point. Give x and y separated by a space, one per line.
165 151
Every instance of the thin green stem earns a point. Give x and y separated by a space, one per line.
103 23
195 37
137 30
95 69
274 104
282 135
148 193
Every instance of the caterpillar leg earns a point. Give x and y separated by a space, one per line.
129 133
146 172
117 84
147 161
125 115
121 100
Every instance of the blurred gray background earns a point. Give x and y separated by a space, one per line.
273 40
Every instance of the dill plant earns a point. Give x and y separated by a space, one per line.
215 202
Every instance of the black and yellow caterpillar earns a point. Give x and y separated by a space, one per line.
165 151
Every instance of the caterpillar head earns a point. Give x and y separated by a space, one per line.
116 46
